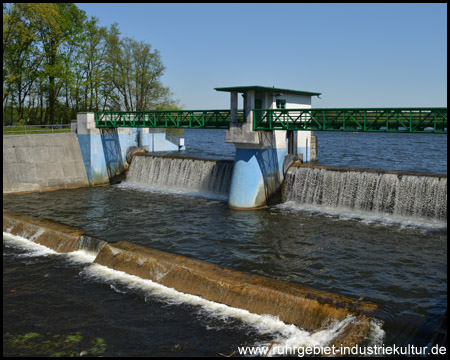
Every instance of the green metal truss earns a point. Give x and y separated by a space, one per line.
412 120
192 119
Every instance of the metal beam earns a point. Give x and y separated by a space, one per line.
405 120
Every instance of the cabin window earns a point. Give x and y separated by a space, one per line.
281 104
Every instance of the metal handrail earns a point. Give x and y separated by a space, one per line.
205 119
426 120
36 129
412 120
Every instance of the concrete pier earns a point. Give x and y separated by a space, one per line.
104 151
259 163
258 172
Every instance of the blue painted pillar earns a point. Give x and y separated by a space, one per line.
103 151
91 149
258 164
257 176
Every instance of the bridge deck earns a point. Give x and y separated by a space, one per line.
406 120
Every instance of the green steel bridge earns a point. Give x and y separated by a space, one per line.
401 120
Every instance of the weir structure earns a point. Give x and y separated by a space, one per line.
273 131
260 157
311 309
104 150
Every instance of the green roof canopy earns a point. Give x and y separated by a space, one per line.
266 89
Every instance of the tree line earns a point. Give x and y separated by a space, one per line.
57 61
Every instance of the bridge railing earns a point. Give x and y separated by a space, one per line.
414 120
193 119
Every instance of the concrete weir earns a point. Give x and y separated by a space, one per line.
398 194
59 237
305 307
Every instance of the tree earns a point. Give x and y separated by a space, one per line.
59 39
57 62
21 55
136 73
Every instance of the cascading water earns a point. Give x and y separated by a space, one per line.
90 244
185 174
398 194
314 317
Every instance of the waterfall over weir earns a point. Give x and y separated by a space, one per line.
399 194
209 177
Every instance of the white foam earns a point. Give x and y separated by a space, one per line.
114 251
34 249
37 234
31 248
366 217
172 191
81 256
287 334
376 334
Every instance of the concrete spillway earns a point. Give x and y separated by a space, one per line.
292 303
408 195
399 194
182 174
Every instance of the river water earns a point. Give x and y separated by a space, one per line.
69 304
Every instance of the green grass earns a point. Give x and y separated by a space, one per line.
52 345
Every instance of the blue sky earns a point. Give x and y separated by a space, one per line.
356 55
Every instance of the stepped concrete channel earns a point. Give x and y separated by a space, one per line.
305 307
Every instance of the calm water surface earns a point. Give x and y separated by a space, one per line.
391 151
400 266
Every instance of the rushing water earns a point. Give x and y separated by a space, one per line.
398 264
183 175
395 195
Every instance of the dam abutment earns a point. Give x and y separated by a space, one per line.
42 162
104 151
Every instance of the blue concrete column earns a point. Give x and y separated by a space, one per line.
103 150
257 177
91 149
258 164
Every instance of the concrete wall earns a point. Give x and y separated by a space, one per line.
293 101
155 140
42 162
104 150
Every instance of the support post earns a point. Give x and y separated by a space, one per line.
234 106
258 164
103 150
